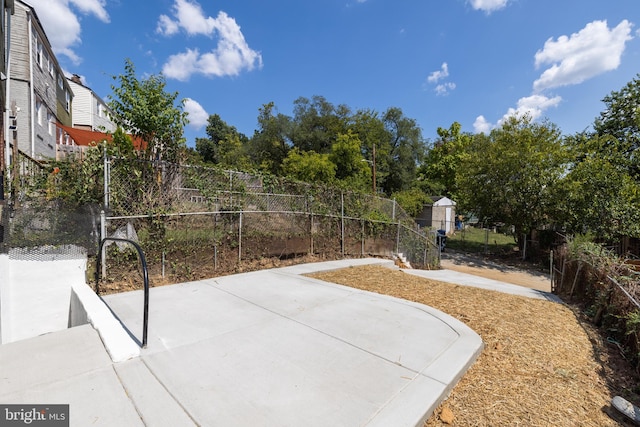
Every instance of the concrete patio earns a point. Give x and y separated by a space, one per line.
271 348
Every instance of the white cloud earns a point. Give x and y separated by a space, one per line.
592 51
198 117
481 125
445 88
488 6
60 19
189 17
181 65
534 106
573 59
435 77
92 7
440 74
166 26
231 55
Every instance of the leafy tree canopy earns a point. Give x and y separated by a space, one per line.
212 149
508 176
346 155
598 196
443 159
621 117
309 166
406 150
316 123
269 145
144 109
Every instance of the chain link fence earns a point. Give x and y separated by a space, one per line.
195 222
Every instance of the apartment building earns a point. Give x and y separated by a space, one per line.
38 94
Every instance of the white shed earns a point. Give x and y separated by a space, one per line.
440 215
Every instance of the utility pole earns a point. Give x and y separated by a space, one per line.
373 166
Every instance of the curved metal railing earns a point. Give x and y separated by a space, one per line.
145 276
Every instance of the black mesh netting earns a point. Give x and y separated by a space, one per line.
51 230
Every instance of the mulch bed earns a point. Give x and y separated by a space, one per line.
543 363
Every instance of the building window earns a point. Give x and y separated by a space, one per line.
38 53
39 111
52 69
67 98
60 82
52 122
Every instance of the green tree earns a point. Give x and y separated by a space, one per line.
144 109
509 175
621 117
232 153
350 167
211 149
406 150
269 145
374 138
443 160
309 166
412 200
316 124
599 195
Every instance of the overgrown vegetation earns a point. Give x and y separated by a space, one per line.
608 289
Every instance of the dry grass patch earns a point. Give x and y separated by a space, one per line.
540 367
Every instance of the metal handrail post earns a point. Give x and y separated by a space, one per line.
145 276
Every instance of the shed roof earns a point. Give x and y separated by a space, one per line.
442 201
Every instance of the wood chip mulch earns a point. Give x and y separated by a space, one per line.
543 364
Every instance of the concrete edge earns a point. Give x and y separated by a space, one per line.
86 307
323 266
461 355
471 280
439 378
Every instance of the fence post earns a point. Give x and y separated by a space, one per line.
362 239
551 269
398 239
240 238
310 210
103 235
106 178
342 222
393 214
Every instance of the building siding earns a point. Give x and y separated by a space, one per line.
34 84
86 110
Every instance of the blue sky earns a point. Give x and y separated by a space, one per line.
470 61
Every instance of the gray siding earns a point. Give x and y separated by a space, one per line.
35 137
20 95
20 44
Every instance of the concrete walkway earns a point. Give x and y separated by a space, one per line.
465 279
266 348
